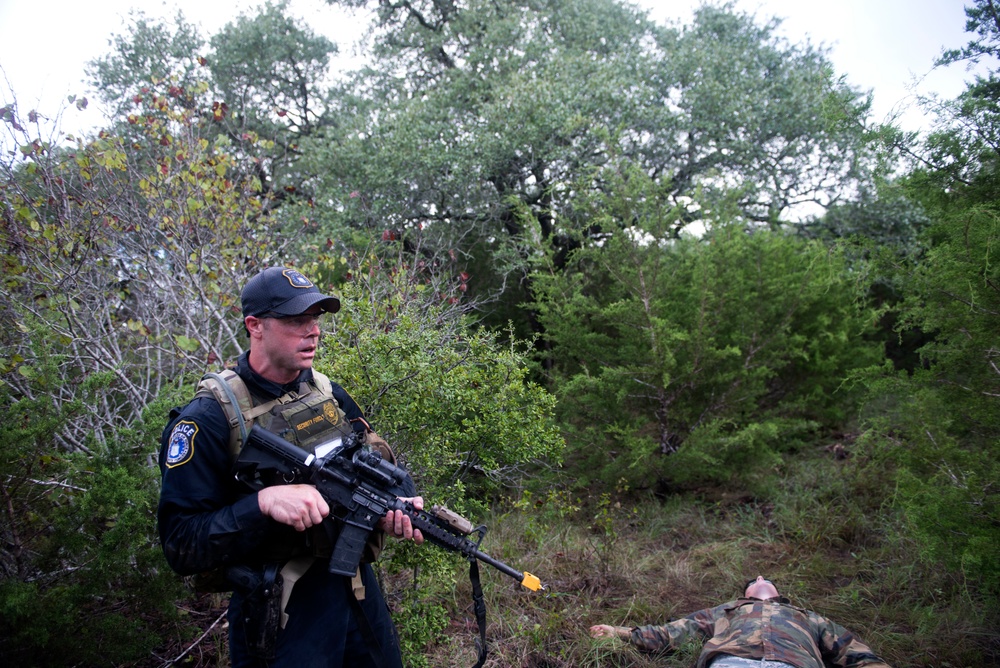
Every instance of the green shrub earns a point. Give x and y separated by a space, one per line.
86 582
938 427
722 449
729 346
456 404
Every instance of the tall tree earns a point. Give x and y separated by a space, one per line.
938 426
149 51
264 75
478 116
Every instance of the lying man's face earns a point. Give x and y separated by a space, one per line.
761 588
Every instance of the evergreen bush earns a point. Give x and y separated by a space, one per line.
681 360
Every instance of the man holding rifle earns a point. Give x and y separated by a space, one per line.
271 547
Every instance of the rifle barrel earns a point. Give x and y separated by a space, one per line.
527 579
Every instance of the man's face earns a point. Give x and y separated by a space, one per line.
283 347
761 588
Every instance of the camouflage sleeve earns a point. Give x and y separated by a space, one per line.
842 648
659 638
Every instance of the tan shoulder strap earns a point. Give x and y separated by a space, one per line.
232 394
322 383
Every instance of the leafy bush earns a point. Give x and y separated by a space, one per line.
84 581
457 406
132 253
721 449
726 346
938 427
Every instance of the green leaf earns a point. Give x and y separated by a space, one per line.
187 344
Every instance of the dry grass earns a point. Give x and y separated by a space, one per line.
643 560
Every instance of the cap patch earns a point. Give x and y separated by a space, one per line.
296 279
180 447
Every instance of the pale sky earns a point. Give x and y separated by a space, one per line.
886 46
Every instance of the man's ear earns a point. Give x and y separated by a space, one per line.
254 325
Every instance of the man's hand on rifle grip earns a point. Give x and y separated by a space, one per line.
397 523
299 506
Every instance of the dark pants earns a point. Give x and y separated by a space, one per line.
322 631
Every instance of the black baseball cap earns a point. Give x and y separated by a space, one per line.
283 291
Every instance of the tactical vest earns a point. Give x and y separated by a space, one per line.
306 417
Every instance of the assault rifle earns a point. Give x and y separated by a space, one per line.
361 487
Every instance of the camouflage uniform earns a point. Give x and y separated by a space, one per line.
772 629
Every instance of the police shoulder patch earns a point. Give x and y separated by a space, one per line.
180 447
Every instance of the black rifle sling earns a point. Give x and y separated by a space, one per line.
479 606
374 647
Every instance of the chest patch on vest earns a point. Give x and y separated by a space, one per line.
180 447
313 418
